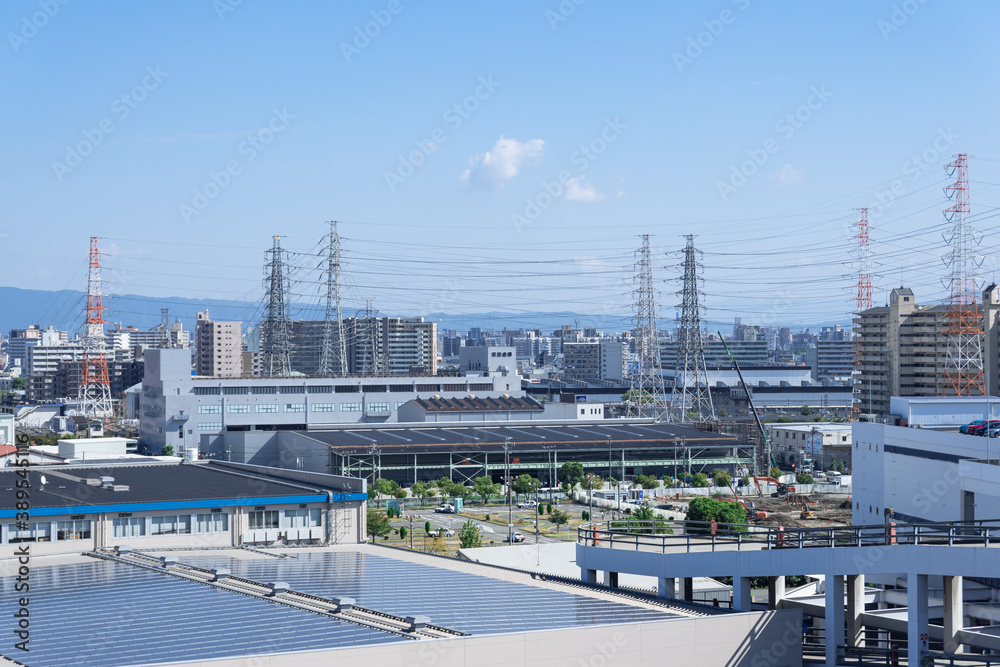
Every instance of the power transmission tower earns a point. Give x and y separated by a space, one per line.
691 393
164 327
334 359
95 386
645 397
964 360
274 344
862 302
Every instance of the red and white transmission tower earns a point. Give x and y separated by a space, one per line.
863 301
964 360
95 387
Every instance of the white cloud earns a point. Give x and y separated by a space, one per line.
578 189
495 168
787 177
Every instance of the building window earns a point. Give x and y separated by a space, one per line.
428 387
455 387
209 427
350 407
209 409
326 389
171 525
302 518
267 408
32 532
206 391
73 530
400 388
292 390
235 391
237 409
480 387
216 522
295 407
347 389
373 388
128 527
378 407
264 390
323 407
400 404
263 519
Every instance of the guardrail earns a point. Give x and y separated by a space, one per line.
643 536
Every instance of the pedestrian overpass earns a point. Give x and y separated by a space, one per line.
843 556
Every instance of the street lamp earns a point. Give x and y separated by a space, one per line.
508 445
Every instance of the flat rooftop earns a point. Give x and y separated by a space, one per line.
142 616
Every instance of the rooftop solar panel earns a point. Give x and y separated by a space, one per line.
104 614
457 600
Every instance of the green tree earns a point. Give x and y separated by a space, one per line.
699 480
400 493
378 524
541 508
641 397
418 490
523 485
19 384
549 508
167 450
427 527
806 410
485 487
460 491
571 473
708 509
558 517
722 412
470 536
804 478
721 478
647 481
775 472
384 487
445 485
402 532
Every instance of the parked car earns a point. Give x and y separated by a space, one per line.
993 432
965 427
514 537
981 428
528 504
445 509
443 532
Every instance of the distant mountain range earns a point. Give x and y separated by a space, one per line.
64 309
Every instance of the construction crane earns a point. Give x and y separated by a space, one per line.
760 427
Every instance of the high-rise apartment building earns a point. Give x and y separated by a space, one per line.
218 348
380 345
903 349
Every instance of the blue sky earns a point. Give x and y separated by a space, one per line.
671 98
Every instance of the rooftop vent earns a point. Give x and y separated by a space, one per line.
119 487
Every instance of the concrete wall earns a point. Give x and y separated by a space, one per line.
734 640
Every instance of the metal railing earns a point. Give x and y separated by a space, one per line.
640 535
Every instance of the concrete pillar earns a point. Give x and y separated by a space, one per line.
666 587
834 616
611 579
589 576
741 593
775 592
855 607
688 584
953 622
916 623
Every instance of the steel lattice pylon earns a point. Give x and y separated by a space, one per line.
862 301
691 393
334 360
645 397
274 335
95 385
964 360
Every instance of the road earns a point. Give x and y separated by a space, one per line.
490 531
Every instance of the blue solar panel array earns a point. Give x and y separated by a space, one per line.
102 614
455 600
